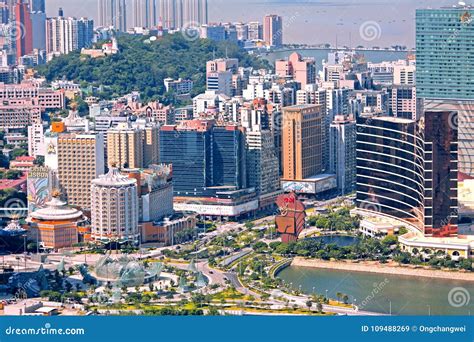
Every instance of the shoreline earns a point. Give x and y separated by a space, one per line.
376 267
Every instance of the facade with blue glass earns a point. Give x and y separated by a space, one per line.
445 71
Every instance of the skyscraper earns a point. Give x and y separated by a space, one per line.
113 13
37 6
170 13
64 35
145 13
76 159
444 75
302 142
193 12
23 32
390 176
38 23
273 30
342 152
204 156
114 210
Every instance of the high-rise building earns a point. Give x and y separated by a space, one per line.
37 6
263 171
133 146
114 210
24 33
77 159
404 74
64 35
204 156
273 30
302 142
4 13
302 70
390 168
113 13
194 12
404 103
441 173
170 14
38 23
145 13
444 76
125 147
255 31
407 170
342 152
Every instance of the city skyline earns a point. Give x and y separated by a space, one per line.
389 29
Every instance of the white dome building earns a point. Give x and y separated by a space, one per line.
114 205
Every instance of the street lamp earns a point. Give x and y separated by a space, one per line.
327 295
429 310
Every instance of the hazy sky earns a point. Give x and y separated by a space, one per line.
366 22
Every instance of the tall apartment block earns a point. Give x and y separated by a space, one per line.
342 152
64 35
113 13
273 30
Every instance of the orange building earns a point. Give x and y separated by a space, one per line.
302 142
56 225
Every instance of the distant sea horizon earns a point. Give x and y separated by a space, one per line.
382 23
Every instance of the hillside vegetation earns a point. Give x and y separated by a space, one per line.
142 65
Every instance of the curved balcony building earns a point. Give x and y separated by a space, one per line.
390 168
114 208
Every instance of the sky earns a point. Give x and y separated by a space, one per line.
349 22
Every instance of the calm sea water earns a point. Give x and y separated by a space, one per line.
374 292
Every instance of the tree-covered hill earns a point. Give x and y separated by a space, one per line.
142 65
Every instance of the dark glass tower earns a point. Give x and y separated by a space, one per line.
441 172
205 157
390 168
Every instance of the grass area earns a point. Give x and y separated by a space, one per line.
231 294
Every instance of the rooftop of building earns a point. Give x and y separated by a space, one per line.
113 179
56 211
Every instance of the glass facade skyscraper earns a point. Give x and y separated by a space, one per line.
204 157
390 177
445 53
445 70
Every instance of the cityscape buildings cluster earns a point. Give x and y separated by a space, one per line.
235 142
